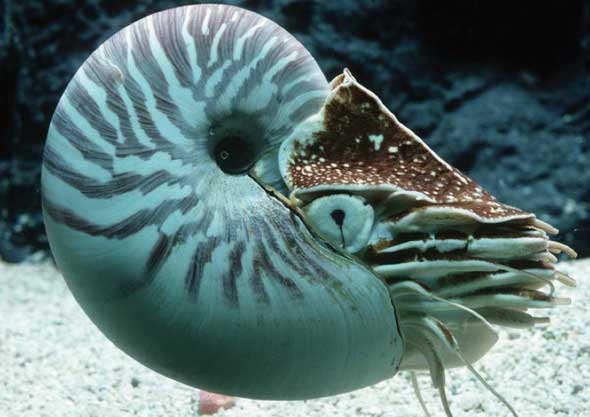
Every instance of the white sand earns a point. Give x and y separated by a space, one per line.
54 362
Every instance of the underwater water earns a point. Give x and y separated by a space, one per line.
500 91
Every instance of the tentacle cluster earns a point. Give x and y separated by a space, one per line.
454 258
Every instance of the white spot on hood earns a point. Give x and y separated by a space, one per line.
377 140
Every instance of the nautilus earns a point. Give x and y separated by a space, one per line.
229 218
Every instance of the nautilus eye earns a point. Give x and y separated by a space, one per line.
345 220
232 220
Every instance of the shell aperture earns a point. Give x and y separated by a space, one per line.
165 229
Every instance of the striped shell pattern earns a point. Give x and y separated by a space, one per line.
232 220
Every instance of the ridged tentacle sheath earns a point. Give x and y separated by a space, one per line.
157 210
454 258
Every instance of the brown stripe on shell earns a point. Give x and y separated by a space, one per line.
90 151
168 30
124 228
200 259
118 184
110 79
230 278
149 67
203 44
298 248
89 110
292 249
111 74
265 267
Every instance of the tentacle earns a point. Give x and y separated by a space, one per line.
427 348
436 331
411 288
416 388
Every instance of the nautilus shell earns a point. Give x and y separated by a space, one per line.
232 220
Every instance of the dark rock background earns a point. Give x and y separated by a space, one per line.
501 89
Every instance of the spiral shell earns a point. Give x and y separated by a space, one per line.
231 220
206 276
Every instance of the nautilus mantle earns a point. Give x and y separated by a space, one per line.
232 220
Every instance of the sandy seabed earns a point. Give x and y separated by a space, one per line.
54 362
